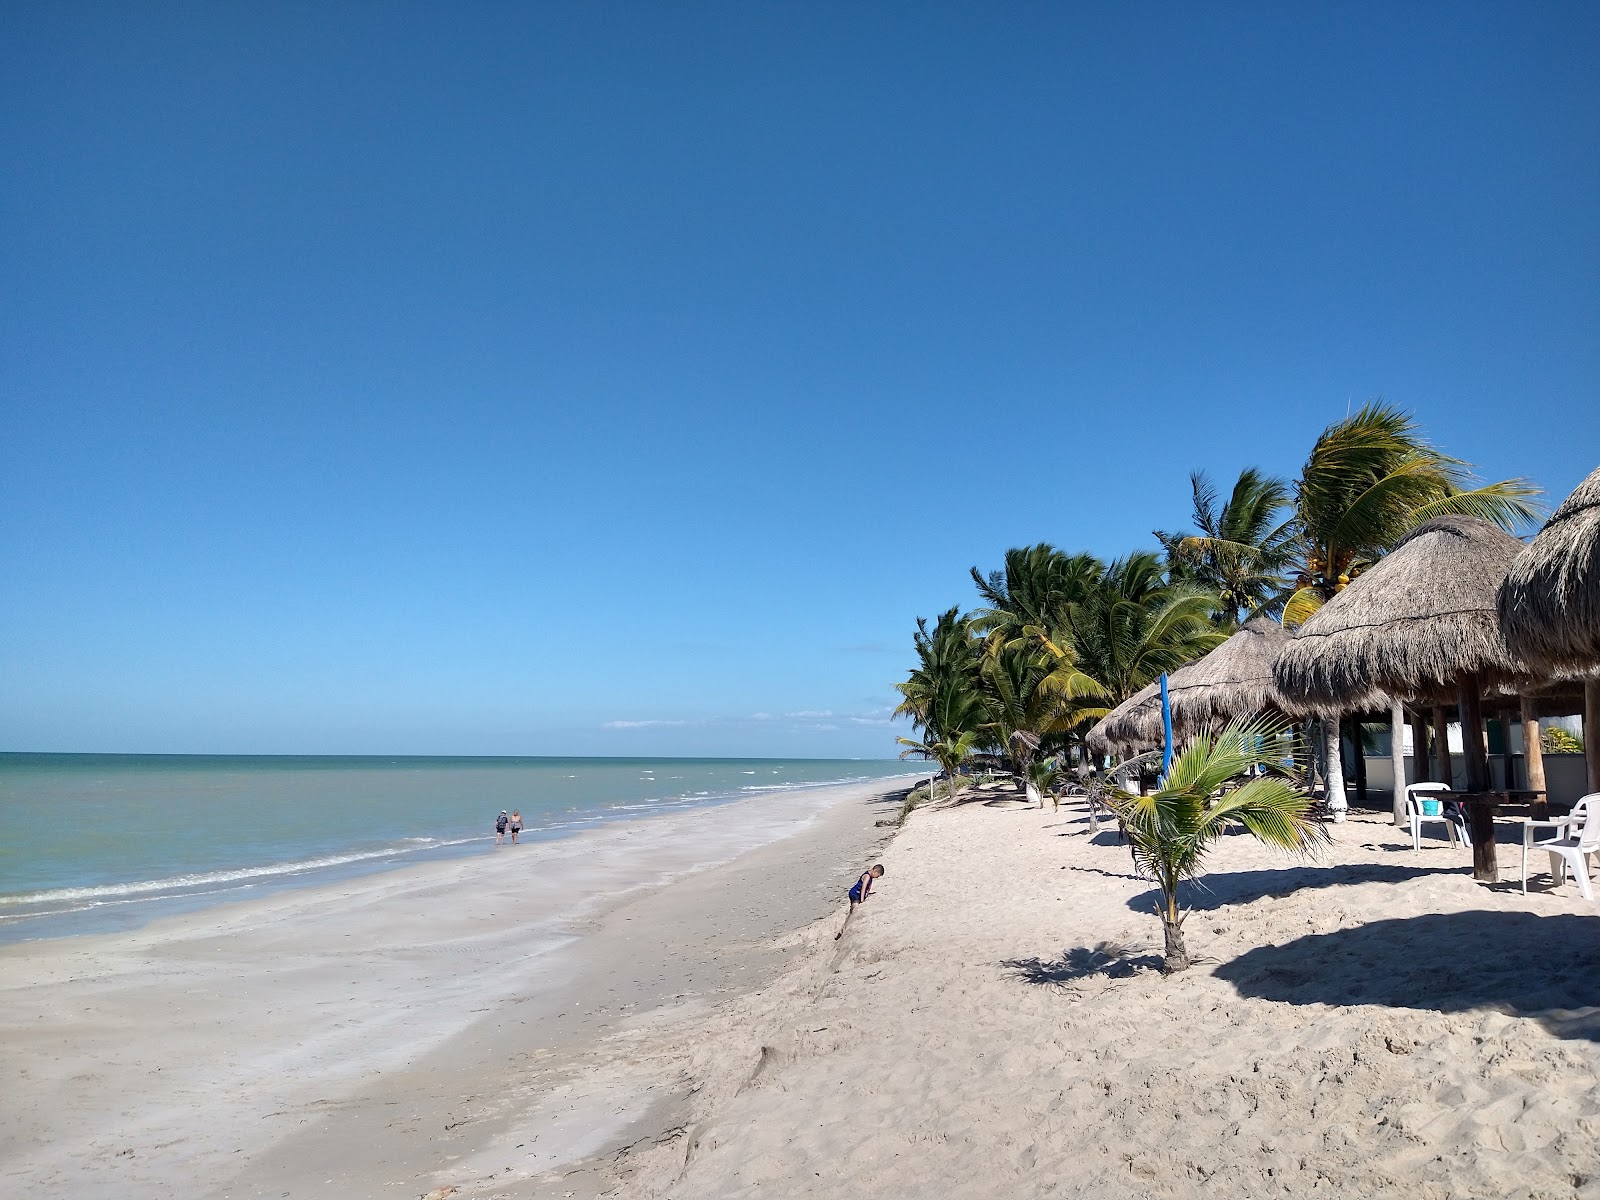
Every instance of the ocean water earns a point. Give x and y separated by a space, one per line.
101 841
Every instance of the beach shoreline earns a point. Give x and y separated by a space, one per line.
220 1047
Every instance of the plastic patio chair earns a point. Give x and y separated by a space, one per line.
1577 838
1415 794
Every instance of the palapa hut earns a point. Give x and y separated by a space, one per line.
1233 680
1549 605
1421 623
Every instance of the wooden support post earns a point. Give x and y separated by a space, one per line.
1444 771
1480 814
1397 760
1508 764
1421 770
1591 731
1533 759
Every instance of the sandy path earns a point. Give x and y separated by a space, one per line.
355 1039
1373 1024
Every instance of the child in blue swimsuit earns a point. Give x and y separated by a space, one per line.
859 894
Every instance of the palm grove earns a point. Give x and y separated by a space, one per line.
1060 639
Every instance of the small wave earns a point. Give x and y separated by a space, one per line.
175 883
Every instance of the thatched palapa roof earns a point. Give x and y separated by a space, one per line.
1233 680
1419 619
1549 604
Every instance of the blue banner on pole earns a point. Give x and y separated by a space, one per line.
1166 728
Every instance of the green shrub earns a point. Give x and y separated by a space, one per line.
1555 740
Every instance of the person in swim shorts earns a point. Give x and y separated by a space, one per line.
500 824
516 825
858 895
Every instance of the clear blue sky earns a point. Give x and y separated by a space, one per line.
627 378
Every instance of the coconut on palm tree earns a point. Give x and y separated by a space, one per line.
1172 830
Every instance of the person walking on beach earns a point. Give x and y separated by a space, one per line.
500 824
516 825
859 894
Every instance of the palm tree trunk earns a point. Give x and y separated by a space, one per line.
1177 953
1337 804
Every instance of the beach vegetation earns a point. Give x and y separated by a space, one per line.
1215 784
1370 480
1555 740
1243 551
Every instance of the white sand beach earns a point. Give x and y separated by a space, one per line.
1373 1025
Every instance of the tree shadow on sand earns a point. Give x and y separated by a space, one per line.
1547 968
1107 958
1241 887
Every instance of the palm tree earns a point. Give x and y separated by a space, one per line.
1370 480
1133 625
1037 589
1171 830
948 659
1244 547
1029 675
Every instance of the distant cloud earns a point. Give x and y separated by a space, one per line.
810 715
869 720
639 724
762 716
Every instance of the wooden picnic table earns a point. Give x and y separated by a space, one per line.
1481 811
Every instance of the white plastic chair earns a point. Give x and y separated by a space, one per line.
1578 836
1415 792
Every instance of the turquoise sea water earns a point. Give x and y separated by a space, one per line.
95 841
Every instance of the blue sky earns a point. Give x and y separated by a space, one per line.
627 378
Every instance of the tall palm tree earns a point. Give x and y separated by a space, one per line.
1029 675
1171 830
947 662
1245 546
1370 480
1036 589
1135 624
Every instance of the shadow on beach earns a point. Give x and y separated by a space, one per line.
1108 958
1241 887
1547 968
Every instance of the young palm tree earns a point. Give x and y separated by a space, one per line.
1243 550
1370 480
1171 830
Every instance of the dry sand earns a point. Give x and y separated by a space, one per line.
390 1034
1376 1025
